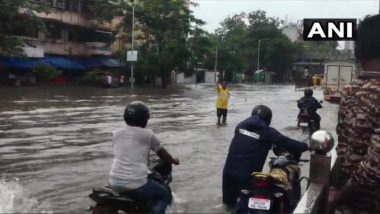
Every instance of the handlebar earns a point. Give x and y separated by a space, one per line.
300 160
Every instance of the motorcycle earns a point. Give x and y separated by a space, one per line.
306 122
278 191
111 201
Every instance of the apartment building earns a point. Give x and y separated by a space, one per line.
73 37
72 31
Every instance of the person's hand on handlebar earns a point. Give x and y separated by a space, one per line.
176 161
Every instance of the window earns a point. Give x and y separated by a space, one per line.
50 3
54 31
75 5
60 4
68 5
71 37
31 32
37 1
22 29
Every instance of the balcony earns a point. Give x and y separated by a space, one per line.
59 47
97 48
79 19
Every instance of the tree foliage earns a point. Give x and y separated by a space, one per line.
166 26
18 15
239 36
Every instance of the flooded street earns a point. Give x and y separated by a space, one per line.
55 142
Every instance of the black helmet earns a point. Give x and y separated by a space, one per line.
264 113
308 92
136 114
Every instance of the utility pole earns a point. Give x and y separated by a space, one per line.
258 55
216 62
133 40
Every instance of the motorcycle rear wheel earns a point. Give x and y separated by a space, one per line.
98 209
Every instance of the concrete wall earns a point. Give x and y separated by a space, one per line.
157 81
210 77
181 79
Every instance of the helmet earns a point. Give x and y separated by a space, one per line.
264 113
308 92
137 114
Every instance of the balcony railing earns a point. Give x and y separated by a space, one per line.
76 49
79 19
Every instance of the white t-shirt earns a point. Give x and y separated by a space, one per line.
109 79
131 147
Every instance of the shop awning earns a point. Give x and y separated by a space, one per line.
18 62
107 62
63 63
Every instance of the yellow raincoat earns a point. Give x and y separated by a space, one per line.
223 97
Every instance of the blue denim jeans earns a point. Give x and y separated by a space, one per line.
151 191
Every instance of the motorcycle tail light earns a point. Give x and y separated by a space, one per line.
261 196
261 184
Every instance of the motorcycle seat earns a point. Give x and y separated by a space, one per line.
105 191
108 193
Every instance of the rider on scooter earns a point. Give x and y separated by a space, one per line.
249 149
311 105
131 146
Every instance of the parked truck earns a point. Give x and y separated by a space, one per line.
338 74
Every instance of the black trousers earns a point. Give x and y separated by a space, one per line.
232 185
221 113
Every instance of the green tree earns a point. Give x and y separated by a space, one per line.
46 72
239 36
232 41
16 16
202 46
167 35
166 25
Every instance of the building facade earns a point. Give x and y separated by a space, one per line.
71 31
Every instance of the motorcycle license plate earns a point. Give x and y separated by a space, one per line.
304 124
259 203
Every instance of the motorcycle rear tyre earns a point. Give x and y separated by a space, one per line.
98 209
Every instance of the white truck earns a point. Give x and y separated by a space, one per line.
338 74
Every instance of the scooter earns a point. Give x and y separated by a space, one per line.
111 201
278 191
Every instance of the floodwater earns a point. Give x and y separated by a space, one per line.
55 141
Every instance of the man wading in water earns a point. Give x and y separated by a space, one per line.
222 102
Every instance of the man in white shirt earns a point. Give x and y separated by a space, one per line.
132 145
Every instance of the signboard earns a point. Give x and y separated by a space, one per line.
37 50
131 56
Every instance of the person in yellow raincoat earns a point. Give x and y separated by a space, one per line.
315 80
222 102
